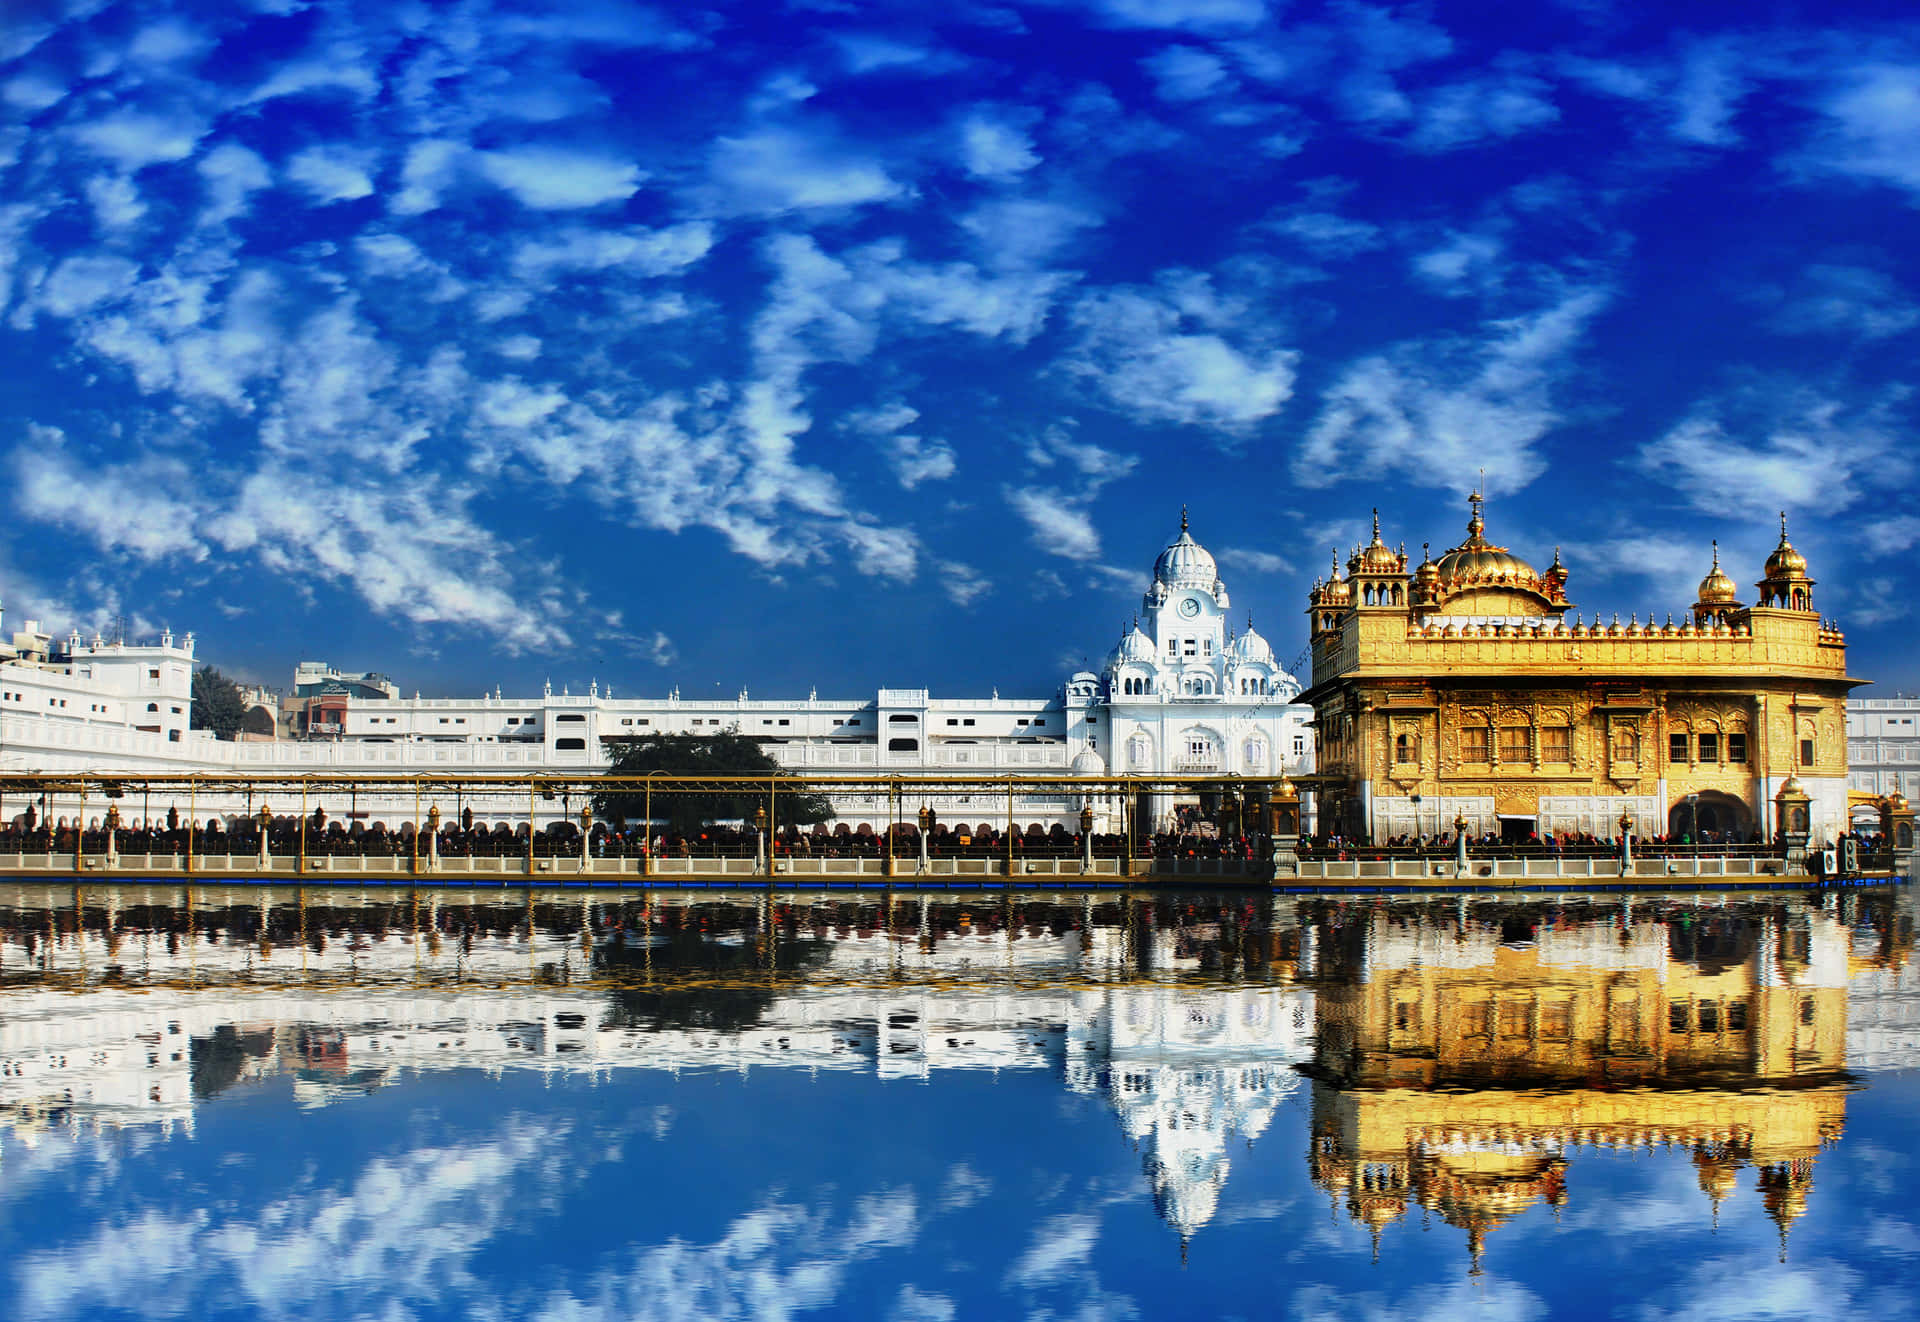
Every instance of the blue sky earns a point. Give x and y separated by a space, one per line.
842 345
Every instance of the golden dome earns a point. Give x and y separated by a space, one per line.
1337 591
1477 560
1428 572
1716 589
1376 557
1786 562
1896 802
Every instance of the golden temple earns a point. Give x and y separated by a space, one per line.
1458 691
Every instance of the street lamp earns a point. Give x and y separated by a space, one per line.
1414 799
1693 819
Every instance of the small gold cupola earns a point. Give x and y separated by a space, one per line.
1787 585
1719 598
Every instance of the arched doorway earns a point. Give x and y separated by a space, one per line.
1709 816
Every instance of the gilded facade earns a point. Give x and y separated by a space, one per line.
1460 688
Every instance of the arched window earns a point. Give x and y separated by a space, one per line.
1396 595
153 706
1256 754
1516 742
1406 748
1626 744
1140 752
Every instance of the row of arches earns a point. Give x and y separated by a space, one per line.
1198 749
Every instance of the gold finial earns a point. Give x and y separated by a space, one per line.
1183 518
1376 523
1426 553
1336 562
1783 527
1477 524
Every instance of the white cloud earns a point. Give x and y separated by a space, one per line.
559 179
333 173
133 139
1708 93
772 171
33 91
1024 232
994 147
430 169
116 202
914 459
1059 526
167 42
1477 110
1186 73
121 507
1259 562
1837 299
1164 355
1328 234
1873 129
1889 536
642 251
1193 15
963 584
1061 1246
80 283
230 173
1094 465
1443 409
1465 263
1770 449
915 1305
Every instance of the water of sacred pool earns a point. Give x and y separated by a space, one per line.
550 1105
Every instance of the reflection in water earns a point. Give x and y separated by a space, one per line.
1454 1056
1463 1054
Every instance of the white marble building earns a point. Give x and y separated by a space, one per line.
1183 693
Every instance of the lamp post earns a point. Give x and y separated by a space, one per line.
925 818
433 838
1086 837
586 836
113 829
1460 843
264 819
760 838
1626 841
1414 799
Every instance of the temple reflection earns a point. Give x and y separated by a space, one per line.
1454 1056
1465 1053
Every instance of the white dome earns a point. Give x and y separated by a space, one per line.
1250 646
1086 762
1186 564
1136 646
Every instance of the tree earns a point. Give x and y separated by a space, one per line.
217 704
723 754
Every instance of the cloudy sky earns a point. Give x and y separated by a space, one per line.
857 344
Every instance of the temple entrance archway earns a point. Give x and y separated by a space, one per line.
1714 815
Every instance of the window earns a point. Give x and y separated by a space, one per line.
856 720
902 719
574 717
1039 720
952 721
1474 744
1806 752
1515 743
1626 744
1190 649
1736 747
903 745
1299 745
1709 747
1406 748
785 722
1206 647
570 745
1556 743
153 674
153 706
1677 746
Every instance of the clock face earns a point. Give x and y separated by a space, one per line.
1190 607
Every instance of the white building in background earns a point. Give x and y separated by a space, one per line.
1883 745
1183 693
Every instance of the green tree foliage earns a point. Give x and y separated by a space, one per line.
217 705
721 754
